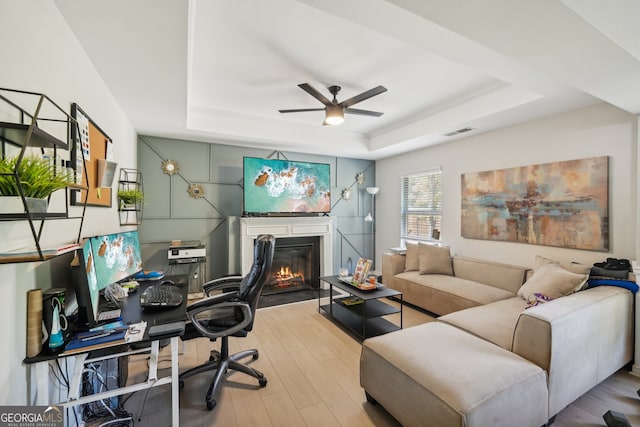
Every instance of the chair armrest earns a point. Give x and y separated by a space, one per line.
212 304
228 282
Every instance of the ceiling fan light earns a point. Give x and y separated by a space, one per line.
334 115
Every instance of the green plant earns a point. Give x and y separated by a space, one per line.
130 196
37 176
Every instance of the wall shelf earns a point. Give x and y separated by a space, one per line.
27 127
130 211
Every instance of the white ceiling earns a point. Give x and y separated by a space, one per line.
219 70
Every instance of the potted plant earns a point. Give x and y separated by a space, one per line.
38 179
130 198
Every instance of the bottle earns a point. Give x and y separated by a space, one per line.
70 171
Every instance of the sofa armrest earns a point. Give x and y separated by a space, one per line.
392 264
580 340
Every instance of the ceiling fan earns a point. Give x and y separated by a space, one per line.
334 110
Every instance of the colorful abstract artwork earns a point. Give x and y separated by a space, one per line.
562 204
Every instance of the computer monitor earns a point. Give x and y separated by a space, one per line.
86 284
103 260
116 257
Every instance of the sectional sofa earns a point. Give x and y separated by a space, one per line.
512 345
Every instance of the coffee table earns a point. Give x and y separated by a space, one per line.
364 319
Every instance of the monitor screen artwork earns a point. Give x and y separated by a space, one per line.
116 257
86 283
284 186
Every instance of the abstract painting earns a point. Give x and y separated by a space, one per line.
562 204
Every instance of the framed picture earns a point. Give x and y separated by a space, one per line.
563 204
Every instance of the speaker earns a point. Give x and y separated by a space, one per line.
615 419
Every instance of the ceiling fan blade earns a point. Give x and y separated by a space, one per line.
364 95
362 112
301 110
317 95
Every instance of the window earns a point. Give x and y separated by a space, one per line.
421 206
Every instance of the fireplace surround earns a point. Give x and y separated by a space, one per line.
322 227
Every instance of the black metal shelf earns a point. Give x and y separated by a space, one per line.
373 308
361 327
26 133
17 133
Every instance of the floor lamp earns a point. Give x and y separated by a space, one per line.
369 218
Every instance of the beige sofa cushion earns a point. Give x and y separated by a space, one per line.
504 276
494 322
442 294
411 257
435 375
434 259
552 281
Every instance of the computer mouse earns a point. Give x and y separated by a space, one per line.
167 282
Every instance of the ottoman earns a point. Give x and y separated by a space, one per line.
438 375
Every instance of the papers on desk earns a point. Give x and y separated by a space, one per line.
135 332
110 334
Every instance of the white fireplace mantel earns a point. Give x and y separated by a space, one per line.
306 226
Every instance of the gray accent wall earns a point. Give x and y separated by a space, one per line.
170 213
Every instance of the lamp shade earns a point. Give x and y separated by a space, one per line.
334 115
368 218
373 190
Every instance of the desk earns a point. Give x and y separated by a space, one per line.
131 313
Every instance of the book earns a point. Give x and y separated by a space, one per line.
360 273
352 301
93 340
32 255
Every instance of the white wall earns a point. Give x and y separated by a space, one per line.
40 53
599 130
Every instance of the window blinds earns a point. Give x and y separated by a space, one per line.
421 205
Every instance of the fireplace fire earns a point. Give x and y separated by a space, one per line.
295 266
285 278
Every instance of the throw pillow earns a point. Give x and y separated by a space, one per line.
411 257
574 267
434 259
552 281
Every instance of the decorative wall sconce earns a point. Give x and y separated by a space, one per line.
170 167
360 177
195 191
346 194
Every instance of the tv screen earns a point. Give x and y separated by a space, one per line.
285 186
116 257
86 282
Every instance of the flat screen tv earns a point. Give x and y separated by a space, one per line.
273 186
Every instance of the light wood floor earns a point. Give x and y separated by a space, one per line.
312 367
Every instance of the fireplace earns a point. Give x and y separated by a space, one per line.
320 229
295 266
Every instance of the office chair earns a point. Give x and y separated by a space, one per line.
230 313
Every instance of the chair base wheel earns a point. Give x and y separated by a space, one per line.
262 382
211 404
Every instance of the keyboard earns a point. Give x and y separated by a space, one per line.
159 296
